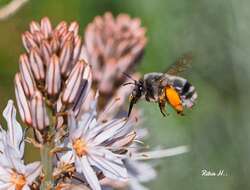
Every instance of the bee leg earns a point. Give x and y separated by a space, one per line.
162 109
180 113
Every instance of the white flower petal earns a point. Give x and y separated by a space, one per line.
4 174
67 157
2 138
26 187
141 171
123 140
161 153
87 121
73 132
4 186
4 161
12 187
135 185
32 171
14 159
15 133
110 129
110 164
89 174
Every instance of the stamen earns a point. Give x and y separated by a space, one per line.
18 180
80 147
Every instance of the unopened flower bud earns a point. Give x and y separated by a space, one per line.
40 119
46 27
22 102
61 28
77 48
68 36
73 83
34 26
83 90
28 41
55 44
45 51
65 57
53 77
38 37
27 77
37 65
74 27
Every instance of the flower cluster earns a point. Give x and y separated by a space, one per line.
82 130
51 73
113 46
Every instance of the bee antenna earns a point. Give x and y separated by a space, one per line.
128 76
127 83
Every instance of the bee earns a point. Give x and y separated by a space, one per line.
165 88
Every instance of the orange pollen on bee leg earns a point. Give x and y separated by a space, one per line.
18 180
173 98
80 147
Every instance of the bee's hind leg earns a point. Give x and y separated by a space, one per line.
180 113
162 109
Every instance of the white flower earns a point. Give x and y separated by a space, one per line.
14 175
92 147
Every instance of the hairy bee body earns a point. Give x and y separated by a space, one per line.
165 88
155 85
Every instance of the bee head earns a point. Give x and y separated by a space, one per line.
136 94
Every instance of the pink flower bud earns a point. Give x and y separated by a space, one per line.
37 65
40 119
73 83
27 76
28 41
22 102
53 77
46 27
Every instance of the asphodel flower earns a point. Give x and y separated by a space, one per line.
14 174
97 147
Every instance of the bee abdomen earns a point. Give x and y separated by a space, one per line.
186 90
188 95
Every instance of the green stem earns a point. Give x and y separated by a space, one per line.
46 160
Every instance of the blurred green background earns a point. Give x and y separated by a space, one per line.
217 32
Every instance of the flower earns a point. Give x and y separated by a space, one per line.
14 173
113 46
96 147
139 171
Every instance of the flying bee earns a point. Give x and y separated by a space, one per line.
165 88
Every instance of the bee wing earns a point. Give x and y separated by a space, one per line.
180 64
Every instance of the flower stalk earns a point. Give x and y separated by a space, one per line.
46 161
